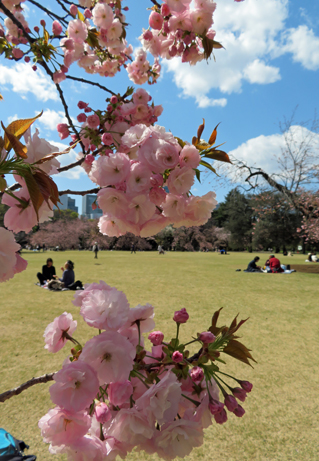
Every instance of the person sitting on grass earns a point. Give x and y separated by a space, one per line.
48 272
274 265
67 280
252 266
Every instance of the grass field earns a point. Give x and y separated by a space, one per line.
282 412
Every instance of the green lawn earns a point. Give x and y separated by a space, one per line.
281 420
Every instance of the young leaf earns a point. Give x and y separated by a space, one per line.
219 155
180 141
200 130
213 136
197 172
81 16
34 191
239 351
18 147
18 128
208 165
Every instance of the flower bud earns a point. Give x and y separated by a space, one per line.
113 100
42 22
102 413
239 393
56 28
246 385
215 406
207 337
197 375
155 20
27 59
73 10
177 357
221 417
165 9
231 403
156 338
88 13
239 411
181 316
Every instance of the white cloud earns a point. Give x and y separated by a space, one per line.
204 101
263 151
25 80
304 46
259 72
253 33
12 118
51 118
249 31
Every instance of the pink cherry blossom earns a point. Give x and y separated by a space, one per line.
144 315
39 148
55 332
112 170
88 448
21 264
181 316
131 426
102 15
156 338
107 139
76 386
102 412
140 209
181 180
8 249
156 20
23 217
189 157
154 225
77 30
93 121
174 206
120 392
56 28
139 179
88 287
157 195
160 402
113 201
62 427
178 438
159 155
111 355
136 135
105 309
58 76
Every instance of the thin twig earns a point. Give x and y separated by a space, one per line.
49 13
32 382
83 80
79 192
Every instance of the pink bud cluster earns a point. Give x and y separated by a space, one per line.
113 395
11 262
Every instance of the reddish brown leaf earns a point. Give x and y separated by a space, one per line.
239 351
18 128
194 140
219 155
200 130
213 136
34 191
13 142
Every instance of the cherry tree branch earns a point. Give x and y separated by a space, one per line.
83 80
32 382
63 7
79 192
49 13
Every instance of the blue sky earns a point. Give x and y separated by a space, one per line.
269 66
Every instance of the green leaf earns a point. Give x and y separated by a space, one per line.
81 16
197 172
174 343
180 141
208 165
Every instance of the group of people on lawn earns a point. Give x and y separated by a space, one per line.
50 280
272 265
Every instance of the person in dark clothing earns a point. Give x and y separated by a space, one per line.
252 266
95 249
48 272
133 248
68 277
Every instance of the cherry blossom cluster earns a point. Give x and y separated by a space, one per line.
144 173
95 39
178 28
114 394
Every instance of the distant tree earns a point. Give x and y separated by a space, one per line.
68 236
165 238
64 215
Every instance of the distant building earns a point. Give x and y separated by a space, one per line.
87 210
67 203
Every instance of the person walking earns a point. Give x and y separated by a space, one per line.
133 248
95 249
